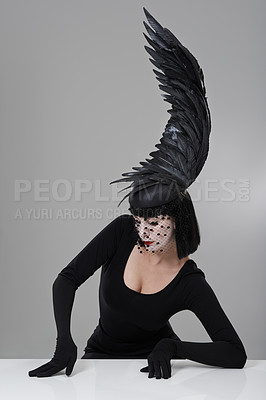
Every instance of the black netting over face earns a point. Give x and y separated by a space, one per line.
169 227
156 234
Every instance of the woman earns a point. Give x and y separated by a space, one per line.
142 285
147 275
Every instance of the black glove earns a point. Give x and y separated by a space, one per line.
159 359
65 356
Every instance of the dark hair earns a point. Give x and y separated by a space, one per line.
187 229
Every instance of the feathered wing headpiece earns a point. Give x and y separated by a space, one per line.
184 146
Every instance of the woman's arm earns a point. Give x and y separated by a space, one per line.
226 348
91 258
95 254
102 247
63 299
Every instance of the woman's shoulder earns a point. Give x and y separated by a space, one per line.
193 279
126 217
126 220
190 270
124 223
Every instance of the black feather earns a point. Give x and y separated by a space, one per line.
184 145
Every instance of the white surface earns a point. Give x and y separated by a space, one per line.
121 379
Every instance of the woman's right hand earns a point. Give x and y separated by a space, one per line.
65 356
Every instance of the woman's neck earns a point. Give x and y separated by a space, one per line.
166 257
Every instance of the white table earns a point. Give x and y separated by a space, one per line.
121 379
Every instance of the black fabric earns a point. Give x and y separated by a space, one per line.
65 356
132 323
91 353
159 360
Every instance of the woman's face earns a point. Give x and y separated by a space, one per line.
157 233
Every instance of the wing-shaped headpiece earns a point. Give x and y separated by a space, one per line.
184 145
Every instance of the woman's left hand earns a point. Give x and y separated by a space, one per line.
159 364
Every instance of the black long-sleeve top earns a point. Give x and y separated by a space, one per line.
131 323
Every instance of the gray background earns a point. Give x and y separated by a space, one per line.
79 101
